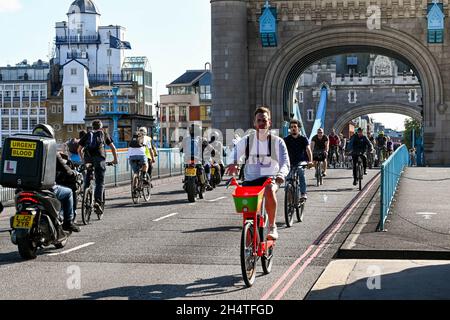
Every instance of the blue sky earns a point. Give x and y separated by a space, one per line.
174 34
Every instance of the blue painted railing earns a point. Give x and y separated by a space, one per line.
391 172
169 163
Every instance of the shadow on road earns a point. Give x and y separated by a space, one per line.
218 229
10 258
168 193
332 190
200 288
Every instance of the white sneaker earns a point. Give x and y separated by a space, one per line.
273 234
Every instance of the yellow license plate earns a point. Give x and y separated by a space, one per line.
213 171
23 221
191 172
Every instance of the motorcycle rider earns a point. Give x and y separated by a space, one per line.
63 194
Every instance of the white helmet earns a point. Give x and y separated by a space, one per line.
143 130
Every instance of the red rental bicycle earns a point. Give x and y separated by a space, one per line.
250 202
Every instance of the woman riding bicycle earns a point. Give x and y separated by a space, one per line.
266 156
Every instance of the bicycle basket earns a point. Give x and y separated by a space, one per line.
248 199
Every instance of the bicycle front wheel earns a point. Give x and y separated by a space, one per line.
360 177
86 207
135 193
289 205
248 254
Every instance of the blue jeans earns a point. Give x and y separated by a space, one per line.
302 180
99 171
137 162
65 196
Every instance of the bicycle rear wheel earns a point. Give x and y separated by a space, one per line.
86 207
248 254
289 201
147 188
267 261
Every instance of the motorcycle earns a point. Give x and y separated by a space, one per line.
37 223
216 175
194 182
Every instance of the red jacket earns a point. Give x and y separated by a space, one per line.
334 140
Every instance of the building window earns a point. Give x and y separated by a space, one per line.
73 72
109 52
91 109
205 93
172 114
352 96
183 114
69 129
300 97
73 90
310 115
163 114
413 95
59 109
435 36
74 108
205 113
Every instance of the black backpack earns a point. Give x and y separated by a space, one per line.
137 141
95 142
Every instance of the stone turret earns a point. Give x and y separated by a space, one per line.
230 65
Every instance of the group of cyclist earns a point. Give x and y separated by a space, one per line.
263 154
269 156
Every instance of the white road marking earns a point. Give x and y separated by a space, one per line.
215 200
71 250
165 217
426 215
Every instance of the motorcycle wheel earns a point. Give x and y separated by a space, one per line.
190 190
27 249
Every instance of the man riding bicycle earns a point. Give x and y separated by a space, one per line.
92 150
266 156
320 148
334 146
299 151
381 146
359 145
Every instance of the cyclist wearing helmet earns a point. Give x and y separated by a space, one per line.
63 173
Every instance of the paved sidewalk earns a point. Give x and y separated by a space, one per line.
412 255
383 280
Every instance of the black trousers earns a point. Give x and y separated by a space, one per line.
355 164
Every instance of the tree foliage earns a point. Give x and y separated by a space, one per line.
410 125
